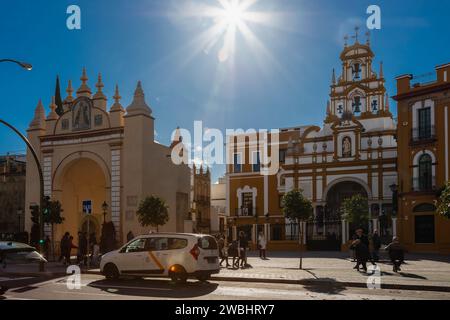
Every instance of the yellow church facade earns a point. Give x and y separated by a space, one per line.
92 154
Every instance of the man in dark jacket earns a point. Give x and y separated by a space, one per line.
64 247
361 247
396 254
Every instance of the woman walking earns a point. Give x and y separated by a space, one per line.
361 247
262 245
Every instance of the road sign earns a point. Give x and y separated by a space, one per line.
87 206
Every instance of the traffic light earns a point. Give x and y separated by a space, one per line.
34 213
46 205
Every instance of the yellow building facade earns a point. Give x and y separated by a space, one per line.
423 160
95 154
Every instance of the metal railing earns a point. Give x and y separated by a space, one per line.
246 212
423 184
421 134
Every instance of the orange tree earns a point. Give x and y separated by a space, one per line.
444 201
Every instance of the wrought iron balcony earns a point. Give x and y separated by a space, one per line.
246 212
423 184
423 134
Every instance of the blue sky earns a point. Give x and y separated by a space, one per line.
282 83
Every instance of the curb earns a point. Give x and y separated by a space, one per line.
328 283
303 282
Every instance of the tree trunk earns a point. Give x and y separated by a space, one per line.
301 244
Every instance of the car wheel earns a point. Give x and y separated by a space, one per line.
179 276
204 277
111 272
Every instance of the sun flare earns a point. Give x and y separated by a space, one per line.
233 13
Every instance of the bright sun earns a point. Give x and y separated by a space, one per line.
228 19
233 13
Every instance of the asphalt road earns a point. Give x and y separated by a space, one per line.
95 287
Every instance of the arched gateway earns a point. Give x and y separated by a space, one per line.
93 154
325 232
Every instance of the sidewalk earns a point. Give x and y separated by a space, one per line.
422 272
329 269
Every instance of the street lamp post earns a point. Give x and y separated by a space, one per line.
105 209
29 67
24 65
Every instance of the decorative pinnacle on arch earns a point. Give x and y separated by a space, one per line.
139 106
38 121
99 85
84 89
117 106
53 115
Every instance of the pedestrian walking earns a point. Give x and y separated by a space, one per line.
361 247
82 248
63 246
396 254
262 245
70 246
376 246
233 252
243 245
223 254
130 236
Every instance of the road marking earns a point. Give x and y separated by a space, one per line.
14 279
8 297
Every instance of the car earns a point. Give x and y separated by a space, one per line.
178 256
12 252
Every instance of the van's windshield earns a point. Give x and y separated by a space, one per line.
207 243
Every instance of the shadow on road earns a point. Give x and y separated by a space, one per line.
412 275
324 285
154 288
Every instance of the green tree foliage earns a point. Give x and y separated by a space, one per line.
444 201
153 211
356 210
297 208
52 215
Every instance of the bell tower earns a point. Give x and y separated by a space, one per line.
359 90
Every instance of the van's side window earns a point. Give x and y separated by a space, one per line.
158 244
177 243
135 246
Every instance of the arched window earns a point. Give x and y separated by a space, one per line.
425 172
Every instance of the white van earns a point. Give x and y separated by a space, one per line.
175 255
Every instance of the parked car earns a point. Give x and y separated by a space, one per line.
18 253
178 256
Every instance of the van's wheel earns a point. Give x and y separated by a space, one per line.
203 277
111 272
179 276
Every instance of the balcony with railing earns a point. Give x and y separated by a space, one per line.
423 134
423 184
246 212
